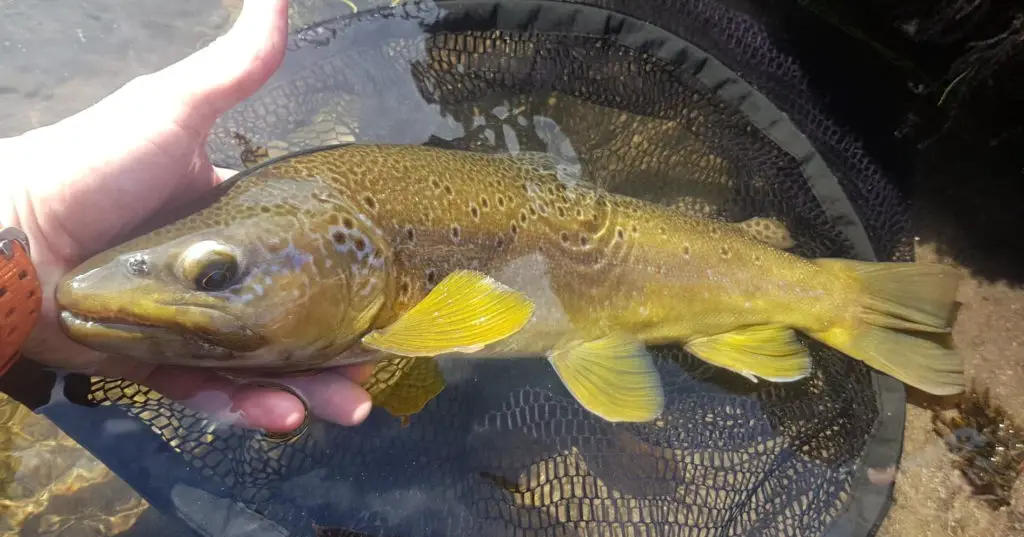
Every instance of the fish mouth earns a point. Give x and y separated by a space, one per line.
160 343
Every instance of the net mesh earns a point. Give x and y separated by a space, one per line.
503 449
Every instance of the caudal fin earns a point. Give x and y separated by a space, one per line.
904 322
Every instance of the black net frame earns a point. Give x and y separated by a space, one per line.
768 460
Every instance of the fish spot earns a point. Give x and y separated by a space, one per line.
501 201
435 184
522 217
475 211
360 244
686 251
369 202
410 234
514 228
579 213
431 277
595 218
456 232
584 240
634 229
448 189
724 250
348 223
500 242
339 237
404 288
561 212
485 203
565 237
533 211
265 209
620 234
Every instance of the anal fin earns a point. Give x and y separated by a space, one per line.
613 377
769 352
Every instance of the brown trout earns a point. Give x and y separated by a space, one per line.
351 253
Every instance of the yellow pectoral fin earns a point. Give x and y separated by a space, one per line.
465 312
769 231
769 352
403 386
613 377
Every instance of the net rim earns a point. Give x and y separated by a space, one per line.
208 514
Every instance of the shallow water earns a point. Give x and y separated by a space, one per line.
57 58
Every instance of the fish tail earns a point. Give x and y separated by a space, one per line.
903 322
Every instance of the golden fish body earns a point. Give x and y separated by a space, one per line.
359 252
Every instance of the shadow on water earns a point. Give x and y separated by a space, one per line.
957 163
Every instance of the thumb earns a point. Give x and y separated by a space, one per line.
234 66
198 89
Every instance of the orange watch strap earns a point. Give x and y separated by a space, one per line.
20 295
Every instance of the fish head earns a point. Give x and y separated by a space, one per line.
275 287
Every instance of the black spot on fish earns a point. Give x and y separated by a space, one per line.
565 237
485 203
410 234
265 209
431 277
435 183
579 213
404 288
370 203
584 240
514 228
686 250
448 189
501 201
522 217
533 211
500 242
338 237
620 234
360 244
725 251
456 232
473 210
348 223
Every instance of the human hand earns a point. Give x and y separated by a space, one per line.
79 186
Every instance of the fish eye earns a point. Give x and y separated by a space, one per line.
209 266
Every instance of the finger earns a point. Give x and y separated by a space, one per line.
234 66
332 396
227 401
223 174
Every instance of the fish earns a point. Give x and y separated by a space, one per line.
351 253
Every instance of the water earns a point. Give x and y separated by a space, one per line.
57 58
84 61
